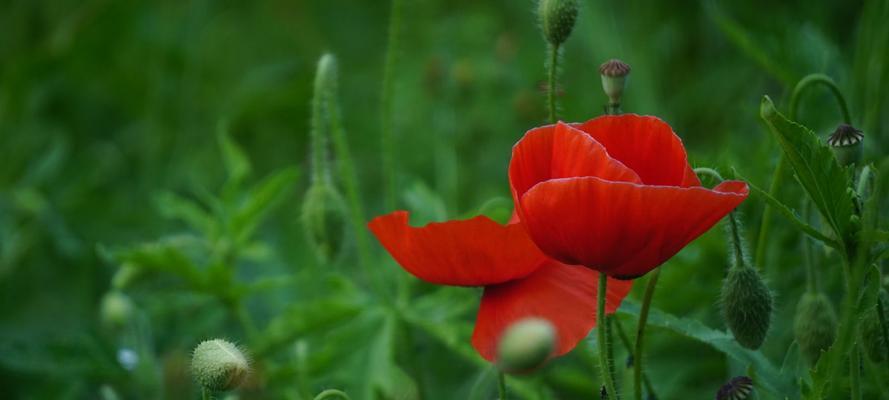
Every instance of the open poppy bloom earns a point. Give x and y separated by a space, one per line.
519 280
615 194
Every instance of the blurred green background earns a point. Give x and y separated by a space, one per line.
105 105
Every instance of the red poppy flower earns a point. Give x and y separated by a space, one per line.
519 280
615 194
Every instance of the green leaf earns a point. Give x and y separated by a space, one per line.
176 207
165 255
237 165
769 377
259 200
816 168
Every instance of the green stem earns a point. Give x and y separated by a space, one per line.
205 394
881 314
388 142
501 386
331 394
318 126
625 340
603 340
810 80
640 331
551 87
855 372
246 321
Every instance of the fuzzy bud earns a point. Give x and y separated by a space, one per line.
815 325
526 345
324 220
871 330
115 310
219 365
847 144
747 306
557 19
614 78
739 388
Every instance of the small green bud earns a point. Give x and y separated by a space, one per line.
847 144
526 345
125 276
116 310
324 220
747 306
218 365
815 325
557 19
871 330
614 78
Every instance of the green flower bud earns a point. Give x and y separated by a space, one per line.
871 330
526 345
746 306
324 220
557 19
218 365
847 144
614 78
116 310
815 325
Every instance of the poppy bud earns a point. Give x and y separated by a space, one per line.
526 345
115 310
871 331
847 144
815 326
739 388
557 19
746 306
324 219
218 365
614 77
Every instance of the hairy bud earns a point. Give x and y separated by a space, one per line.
219 365
815 325
526 345
847 144
746 306
324 220
557 19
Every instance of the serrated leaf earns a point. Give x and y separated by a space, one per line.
237 165
259 200
815 166
165 255
176 207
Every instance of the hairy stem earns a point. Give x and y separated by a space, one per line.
551 86
640 332
388 141
205 394
501 386
603 339
625 340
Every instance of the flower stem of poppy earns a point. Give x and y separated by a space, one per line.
855 372
205 394
640 331
551 83
603 339
388 142
778 175
734 226
501 386
625 340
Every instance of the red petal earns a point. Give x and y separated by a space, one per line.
471 252
562 294
561 151
620 228
645 144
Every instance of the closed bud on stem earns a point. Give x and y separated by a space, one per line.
116 310
847 144
526 345
815 325
218 365
746 306
614 78
872 330
557 19
738 388
324 220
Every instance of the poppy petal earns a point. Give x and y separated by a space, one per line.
645 144
620 228
562 294
472 252
561 151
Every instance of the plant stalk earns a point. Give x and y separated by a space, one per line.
386 109
551 87
501 386
603 339
640 331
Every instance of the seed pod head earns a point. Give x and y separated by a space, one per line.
324 220
116 310
526 345
219 365
738 388
614 78
746 306
875 345
815 325
847 144
557 19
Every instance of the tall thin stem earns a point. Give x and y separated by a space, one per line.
501 386
640 331
603 339
551 86
855 372
388 141
205 394
625 340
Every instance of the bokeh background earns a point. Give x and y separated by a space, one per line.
107 105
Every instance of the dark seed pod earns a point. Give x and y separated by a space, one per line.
739 388
557 19
815 325
847 144
324 220
219 365
747 306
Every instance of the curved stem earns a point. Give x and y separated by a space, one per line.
388 143
640 331
551 87
331 394
822 79
602 338
501 386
